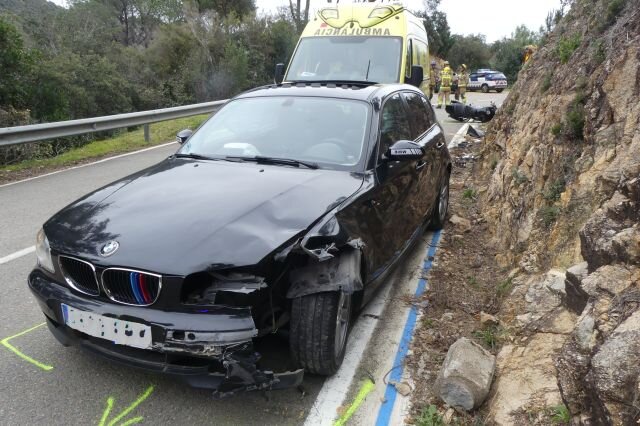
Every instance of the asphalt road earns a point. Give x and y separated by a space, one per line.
70 386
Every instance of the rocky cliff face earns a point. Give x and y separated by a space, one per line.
563 161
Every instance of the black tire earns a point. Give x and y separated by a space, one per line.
439 215
499 90
485 88
314 326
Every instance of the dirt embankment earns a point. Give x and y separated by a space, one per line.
558 179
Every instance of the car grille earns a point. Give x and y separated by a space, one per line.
131 287
80 275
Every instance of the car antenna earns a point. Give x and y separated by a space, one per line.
366 77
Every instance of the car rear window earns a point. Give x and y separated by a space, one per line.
327 131
497 76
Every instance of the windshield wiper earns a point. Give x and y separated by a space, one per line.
336 82
193 155
275 160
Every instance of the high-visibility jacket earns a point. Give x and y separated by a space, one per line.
432 77
463 79
445 78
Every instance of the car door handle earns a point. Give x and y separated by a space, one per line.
420 164
439 145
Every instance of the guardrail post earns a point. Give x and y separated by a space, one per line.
147 137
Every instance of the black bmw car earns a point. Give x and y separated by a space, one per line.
283 212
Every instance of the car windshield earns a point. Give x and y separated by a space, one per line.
356 58
327 132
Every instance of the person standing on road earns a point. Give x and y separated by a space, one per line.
432 79
446 77
463 79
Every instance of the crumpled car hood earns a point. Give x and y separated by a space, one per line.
183 216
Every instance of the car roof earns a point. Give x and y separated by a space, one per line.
342 90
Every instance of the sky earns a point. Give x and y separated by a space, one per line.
493 18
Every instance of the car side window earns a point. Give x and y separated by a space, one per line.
419 114
394 124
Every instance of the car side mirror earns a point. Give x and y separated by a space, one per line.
278 76
404 150
183 135
417 76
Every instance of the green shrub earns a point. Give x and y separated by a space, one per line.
549 215
599 54
566 47
546 83
554 190
429 416
614 9
518 177
556 129
575 121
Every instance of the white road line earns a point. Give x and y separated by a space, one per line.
89 164
17 255
458 137
334 391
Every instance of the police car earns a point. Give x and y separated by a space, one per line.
486 80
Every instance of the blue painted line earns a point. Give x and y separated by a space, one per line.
384 415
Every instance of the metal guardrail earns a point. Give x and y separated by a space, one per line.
40 132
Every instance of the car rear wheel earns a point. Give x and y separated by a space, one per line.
499 90
485 88
319 327
439 216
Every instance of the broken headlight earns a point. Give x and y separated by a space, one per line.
43 252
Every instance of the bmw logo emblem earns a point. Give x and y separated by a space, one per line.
109 248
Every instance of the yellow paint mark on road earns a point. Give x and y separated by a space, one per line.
6 344
367 387
111 400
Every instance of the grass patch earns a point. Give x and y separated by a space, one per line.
469 194
473 281
429 416
566 47
494 163
560 415
546 83
552 193
549 215
556 129
490 336
161 132
504 287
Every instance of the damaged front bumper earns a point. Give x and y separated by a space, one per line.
210 349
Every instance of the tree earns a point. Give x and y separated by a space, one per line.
471 50
507 52
225 8
15 67
300 17
438 31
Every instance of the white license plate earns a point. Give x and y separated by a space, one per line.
119 332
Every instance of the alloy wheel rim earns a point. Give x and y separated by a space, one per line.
444 201
342 322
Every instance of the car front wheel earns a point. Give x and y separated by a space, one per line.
319 327
439 216
499 90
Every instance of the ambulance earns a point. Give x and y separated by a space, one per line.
364 42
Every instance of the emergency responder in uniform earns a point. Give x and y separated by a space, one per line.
432 79
446 77
463 79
